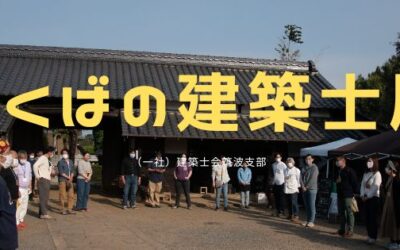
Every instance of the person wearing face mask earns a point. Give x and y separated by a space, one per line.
32 160
130 175
8 161
292 185
8 174
220 178
278 170
43 172
309 185
8 227
182 174
244 176
369 193
347 188
390 219
66 170
24 175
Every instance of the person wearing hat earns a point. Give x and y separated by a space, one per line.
8 227
390 220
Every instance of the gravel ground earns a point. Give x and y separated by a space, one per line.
107 226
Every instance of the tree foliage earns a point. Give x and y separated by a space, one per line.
397 44
291 37
383 78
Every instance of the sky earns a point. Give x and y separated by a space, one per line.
339 36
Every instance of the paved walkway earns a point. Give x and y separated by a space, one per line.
107 226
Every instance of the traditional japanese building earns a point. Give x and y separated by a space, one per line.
25 68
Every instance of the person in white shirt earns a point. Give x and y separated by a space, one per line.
278 170
292 185
43 173
24 174
369 192
220 179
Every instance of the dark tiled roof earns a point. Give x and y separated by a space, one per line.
24 68
5 121
315 133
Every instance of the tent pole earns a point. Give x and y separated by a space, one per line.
327 169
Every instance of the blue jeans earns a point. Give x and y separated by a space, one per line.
223 188
309 198
130 187
245 198
293 205
82 190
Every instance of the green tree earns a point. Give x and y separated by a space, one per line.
383 78
292 36
397 44
98 136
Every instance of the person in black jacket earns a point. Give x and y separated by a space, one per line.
347 188
390 217
8 161
396 200
130 175
8 225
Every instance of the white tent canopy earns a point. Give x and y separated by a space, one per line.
322 150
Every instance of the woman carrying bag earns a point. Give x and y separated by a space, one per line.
369 193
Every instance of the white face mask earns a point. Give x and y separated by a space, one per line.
132 155
370 164
22 161
65 156
290 164
31 157
8 162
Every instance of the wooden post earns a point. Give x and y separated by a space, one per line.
113 151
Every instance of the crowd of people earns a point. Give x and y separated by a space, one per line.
22 173
23 176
